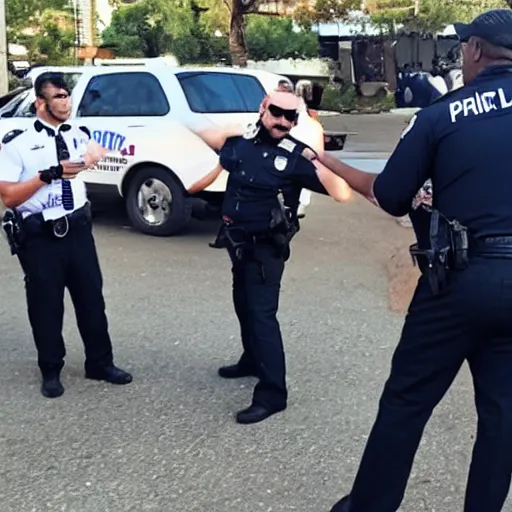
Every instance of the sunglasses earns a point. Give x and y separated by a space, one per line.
289 115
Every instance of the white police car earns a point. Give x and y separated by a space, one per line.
145 115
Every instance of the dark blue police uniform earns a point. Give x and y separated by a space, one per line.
260 168
462 143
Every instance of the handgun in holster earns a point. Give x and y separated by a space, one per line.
283 227
435 262
232 238
13 228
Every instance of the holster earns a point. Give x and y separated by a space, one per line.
447 251
12 224
232 238
283 227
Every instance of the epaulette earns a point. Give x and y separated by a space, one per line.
85 130
289 144
9 136
251 131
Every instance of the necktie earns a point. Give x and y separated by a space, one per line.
62 154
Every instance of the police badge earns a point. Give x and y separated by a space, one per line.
280 163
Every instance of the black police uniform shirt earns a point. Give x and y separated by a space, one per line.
259 168
462 142
35 150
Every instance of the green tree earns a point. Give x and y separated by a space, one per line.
44 27
423 15
275 38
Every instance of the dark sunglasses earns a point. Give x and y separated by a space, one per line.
289 115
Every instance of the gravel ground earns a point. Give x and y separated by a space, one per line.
169 442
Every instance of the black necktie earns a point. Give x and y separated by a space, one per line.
62 154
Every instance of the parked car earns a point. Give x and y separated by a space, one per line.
146 116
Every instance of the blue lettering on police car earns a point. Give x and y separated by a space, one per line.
112 141
479 103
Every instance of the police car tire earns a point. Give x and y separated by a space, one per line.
181 208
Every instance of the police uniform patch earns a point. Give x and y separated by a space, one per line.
287 144
251 131
280 163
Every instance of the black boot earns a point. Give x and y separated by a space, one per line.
51 386
110 374
236 371
343 505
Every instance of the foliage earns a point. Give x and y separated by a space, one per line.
324 11
275 38
432 15
45 28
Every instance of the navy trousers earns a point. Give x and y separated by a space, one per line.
471 322
256 288
51 265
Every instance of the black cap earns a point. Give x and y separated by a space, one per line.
495 26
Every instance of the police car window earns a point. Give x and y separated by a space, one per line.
122 95
217 93
10 108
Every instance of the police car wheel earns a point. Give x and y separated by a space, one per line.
156 202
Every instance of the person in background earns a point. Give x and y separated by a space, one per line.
309 131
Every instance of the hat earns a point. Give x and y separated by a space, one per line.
495 26
283 100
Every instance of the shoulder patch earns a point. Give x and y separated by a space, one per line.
287 145
85 130
251 131
11 135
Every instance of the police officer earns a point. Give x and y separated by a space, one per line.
261 164
54 242
462 143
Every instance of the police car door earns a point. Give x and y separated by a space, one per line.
116 106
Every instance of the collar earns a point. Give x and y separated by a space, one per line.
492 71
41 125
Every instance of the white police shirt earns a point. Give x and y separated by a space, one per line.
32 151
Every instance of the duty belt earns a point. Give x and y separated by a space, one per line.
36 224
492 247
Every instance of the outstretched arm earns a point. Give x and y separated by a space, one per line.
216 137
406 170
334 185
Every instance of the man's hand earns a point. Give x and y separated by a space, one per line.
70 170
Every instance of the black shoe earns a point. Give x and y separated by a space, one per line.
52 387
236 371
343 505
110 374
256 413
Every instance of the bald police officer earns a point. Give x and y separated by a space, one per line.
263 164
55 245
462 143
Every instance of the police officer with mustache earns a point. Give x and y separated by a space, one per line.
264 165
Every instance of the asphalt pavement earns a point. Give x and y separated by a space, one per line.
168 442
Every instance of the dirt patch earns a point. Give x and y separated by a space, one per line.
402 279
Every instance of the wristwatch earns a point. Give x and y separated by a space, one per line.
53 173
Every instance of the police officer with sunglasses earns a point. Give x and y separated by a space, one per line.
264 165
48 226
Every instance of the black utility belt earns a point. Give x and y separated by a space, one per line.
492 247
59 228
